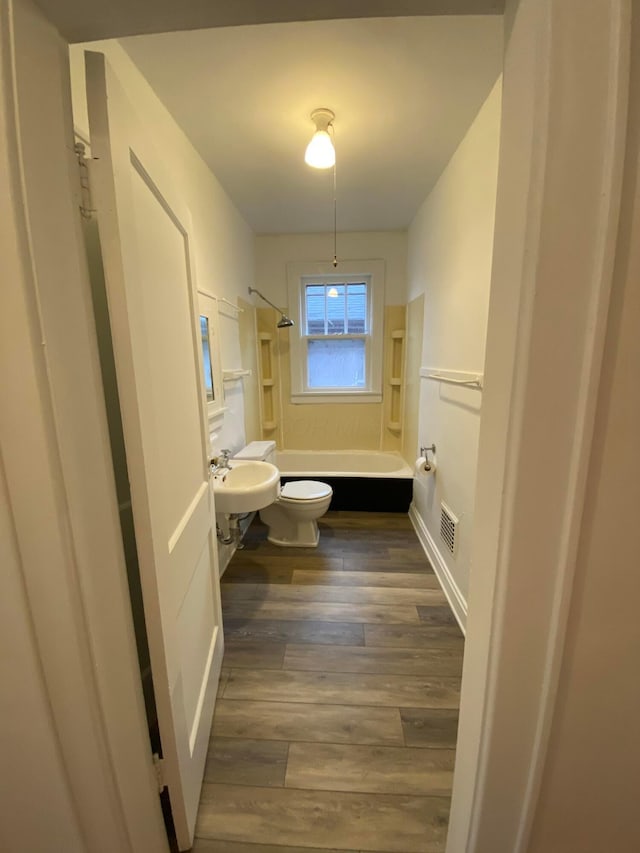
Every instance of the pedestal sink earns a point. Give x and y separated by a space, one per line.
246 486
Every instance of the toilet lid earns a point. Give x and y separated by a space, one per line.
305 490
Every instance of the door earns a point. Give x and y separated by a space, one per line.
145 233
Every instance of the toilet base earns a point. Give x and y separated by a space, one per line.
299 544
305 534
287 531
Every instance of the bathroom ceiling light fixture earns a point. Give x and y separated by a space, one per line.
320 152
284 321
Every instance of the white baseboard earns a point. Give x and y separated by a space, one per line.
450 588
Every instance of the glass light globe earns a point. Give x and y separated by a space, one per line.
320 152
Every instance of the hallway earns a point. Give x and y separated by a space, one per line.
336 720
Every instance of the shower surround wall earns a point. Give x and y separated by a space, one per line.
450 250
330 426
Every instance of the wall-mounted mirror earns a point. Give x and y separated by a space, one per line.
205 341
210 349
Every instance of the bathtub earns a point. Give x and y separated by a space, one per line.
370 481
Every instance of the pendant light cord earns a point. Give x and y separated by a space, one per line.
335 205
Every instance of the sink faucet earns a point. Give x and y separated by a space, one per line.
220 462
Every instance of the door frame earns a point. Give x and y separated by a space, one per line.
58 438
55 447
563 140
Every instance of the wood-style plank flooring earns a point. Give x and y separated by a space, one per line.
336 721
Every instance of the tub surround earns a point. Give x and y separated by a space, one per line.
330 426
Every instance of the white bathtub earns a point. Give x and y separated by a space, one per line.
342 463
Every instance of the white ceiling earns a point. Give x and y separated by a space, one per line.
404 91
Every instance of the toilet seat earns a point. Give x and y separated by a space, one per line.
305 490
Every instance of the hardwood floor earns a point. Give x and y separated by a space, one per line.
335 726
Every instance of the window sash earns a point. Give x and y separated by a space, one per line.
355 364
351 290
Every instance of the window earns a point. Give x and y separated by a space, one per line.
336 345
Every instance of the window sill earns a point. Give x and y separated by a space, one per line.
337 397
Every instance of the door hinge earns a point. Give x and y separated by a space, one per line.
86 208
158 766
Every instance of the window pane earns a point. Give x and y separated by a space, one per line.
336 363
335 309
314 309
357 308
206 356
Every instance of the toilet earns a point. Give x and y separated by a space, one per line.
292 520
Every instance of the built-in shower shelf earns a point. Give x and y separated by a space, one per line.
396 372
266 359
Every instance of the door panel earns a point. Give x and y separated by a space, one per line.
145 233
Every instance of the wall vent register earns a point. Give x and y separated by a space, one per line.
448 528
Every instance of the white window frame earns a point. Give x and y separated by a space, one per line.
349 272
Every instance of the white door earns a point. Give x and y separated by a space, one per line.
145 234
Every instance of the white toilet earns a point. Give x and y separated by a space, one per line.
292 519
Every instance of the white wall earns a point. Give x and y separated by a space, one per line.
275 251
223 240
449 259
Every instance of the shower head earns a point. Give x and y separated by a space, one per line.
284 321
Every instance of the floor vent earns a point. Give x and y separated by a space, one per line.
448 528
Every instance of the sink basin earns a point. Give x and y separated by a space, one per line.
246 486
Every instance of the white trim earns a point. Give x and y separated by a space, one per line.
450 588
336 397
56 451
605 232
562 151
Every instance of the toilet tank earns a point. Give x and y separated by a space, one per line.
263 451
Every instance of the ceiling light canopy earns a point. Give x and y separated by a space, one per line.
320 152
